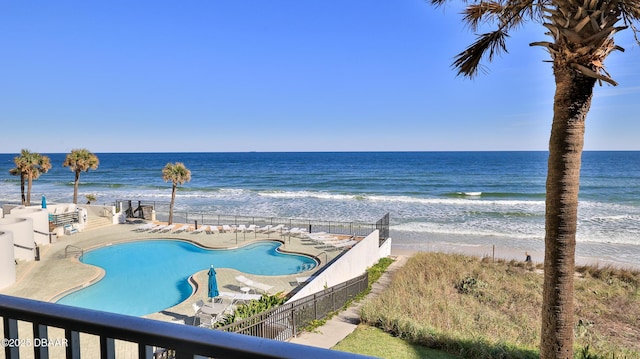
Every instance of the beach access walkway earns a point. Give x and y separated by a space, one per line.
344 323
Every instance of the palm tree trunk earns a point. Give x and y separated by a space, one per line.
75 187
571 104
173 199
29 183
22 193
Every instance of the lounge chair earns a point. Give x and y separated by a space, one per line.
246 281
295 231
245 297
264 229
168 228
159 228
278 228
344 244
183 228
144 227
200 229
228 228
213 230
241 228
206 320
251 228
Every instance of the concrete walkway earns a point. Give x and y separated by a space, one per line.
344 323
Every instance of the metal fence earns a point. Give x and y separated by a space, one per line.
289 319
383 226
62 219
141 209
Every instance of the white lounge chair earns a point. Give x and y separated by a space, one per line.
251 228
213 230
168 228
295 231
245 297
278 228
159 228
200 229
228 228
246 281
344 244
241 228
183 228
264 229
144 227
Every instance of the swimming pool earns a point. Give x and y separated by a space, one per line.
148 276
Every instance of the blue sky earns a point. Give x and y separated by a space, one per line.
241 75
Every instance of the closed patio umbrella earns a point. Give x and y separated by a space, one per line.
213 283
44 202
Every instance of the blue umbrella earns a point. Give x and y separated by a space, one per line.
44 202
213 283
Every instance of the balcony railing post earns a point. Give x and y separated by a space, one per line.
40 332
73 344
107 348
145 351
11 333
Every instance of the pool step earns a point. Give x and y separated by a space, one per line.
95 222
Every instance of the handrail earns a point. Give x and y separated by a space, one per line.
326 256
187 341
22 247
48 234
70 246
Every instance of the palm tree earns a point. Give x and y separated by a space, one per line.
80 160
583 36
29 166
178 174
18 171
90 198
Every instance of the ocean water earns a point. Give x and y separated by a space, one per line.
456 198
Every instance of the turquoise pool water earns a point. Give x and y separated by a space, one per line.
149 276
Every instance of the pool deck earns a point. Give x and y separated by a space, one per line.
56 274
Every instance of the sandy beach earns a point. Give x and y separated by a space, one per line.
510 253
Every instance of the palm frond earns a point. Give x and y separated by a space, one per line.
468 61
436 3
515 13
475 14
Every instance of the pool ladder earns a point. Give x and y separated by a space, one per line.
73 249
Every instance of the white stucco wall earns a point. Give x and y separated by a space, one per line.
22 229
7 260
351 264
40 218
385 248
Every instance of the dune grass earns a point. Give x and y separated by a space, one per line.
478 308
367 340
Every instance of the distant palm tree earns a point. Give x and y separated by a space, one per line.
29 166
90 198
17 171
583 36
80 160
178 174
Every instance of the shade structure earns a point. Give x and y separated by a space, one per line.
213 283
44 202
